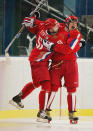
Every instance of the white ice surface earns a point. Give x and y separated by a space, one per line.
84 124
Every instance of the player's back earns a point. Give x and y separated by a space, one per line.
40 53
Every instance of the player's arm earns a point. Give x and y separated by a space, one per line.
32 24
72 45
62 48
66 49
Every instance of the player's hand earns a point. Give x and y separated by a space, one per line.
82 43
29 21
48 45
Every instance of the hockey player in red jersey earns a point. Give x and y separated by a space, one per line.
39 60
64 64
39 57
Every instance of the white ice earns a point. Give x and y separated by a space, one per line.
84 124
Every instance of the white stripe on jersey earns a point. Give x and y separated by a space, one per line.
44 56
75 42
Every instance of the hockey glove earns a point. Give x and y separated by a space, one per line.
82 43
29 21
48 45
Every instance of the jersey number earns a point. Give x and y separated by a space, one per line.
39 43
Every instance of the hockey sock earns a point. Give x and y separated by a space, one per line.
42 99
49 94
51 97
71 99
43 96
28 88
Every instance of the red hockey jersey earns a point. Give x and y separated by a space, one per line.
40 53
66 43
67 50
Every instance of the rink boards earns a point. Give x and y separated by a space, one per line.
15 73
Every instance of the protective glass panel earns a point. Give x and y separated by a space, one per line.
13 12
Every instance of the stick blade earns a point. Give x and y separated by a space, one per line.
6 54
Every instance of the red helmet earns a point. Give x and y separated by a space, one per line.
71 19
50 23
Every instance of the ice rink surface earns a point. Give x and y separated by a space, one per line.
84 124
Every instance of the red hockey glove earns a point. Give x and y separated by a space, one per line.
29 21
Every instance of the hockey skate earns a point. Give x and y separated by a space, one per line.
73 118
48 112
43 117
16 101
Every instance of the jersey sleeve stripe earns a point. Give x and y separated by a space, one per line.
74 42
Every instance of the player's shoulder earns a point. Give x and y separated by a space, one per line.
75 32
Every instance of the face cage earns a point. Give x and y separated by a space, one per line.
72 20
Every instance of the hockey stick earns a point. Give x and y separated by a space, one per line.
22 28
60 104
